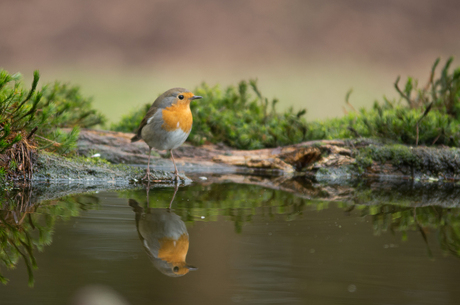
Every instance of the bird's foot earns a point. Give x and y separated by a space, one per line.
147 176
178 178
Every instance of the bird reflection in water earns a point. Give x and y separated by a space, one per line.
164 237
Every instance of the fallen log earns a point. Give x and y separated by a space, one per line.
328 159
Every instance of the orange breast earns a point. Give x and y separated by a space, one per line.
177 116
173 251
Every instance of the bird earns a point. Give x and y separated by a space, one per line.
167 124
164 237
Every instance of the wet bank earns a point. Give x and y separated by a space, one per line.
109 157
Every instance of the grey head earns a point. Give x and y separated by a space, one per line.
168 97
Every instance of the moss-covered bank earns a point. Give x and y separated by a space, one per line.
55 168
239 118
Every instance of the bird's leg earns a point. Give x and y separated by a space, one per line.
176 173
176 187
147 176
148 191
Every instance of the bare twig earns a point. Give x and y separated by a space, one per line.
430 81
347 100
32 132
354 131
407 98
436 139
51 141
22 162
420 119
425 238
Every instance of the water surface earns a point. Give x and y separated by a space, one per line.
251 245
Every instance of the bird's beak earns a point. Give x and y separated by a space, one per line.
196 97
191 268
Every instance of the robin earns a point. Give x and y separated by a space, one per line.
164 237
167 123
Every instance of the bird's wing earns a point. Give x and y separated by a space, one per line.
150 113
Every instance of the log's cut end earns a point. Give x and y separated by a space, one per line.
301 157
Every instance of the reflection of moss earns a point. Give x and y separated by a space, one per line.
26 225
391 208
236 202
402 193
445 221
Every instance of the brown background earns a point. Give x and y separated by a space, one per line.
307 53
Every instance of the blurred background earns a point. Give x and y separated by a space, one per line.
307 53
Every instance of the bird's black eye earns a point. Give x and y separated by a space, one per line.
181 97
176 269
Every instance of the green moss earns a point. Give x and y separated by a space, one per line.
425 160
429 115
63 105
4 179
50 166
396 154
89 161
131 121
241 117
363 161
31 119
42 112
396 123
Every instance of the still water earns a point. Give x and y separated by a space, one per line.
229 244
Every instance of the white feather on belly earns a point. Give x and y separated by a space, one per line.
174 139
164 140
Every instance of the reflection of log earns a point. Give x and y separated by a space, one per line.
367 192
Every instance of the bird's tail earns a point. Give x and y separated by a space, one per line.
135 138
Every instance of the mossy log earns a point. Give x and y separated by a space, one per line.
328 159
